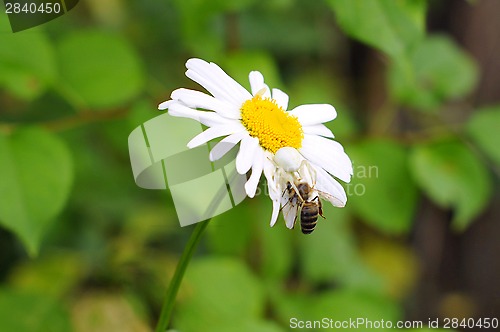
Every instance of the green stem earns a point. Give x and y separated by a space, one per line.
168 303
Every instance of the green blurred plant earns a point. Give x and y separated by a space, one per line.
71 94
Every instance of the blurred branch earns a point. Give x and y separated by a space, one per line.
430 133
383 119
79 119
232 32
84 117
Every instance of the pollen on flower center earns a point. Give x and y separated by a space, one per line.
274 127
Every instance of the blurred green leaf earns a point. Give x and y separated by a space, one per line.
27 64
269 26
288 304
330 254
230 326
53 275
239 65
317 87
227 6
202 24
98 69
391 26
346 304
330 249
29 312
219 290
117 196
483 128
148 222
230 232
453 177
382 191
416 11
103 312
259 325
436 71
138 113
4 23
197 7
339 305
271 247
36 173
395 263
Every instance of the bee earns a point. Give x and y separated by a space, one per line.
305 198
297 177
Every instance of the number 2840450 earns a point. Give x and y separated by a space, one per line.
32 8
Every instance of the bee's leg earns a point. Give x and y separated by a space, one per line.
290 179
320 207
284 206
286 189
284 175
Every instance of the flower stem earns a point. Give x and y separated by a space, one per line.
173 288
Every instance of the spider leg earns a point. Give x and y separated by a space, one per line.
308 172
320 206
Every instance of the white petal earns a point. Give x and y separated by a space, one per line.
216 81
231 84
327 184
269 170
257 84
209 119
281 98
314 113
276 211
257 166
246 155
289 214
197 99
318 129
328 154
225 145
214 132
209 85
165 104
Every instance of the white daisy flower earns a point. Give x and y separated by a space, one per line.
260 122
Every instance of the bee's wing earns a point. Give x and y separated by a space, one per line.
332 199
290 214
329 189
289 208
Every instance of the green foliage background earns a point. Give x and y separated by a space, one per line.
84 249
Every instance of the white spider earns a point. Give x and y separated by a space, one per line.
292 168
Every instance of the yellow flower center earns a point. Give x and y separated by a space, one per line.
274 127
